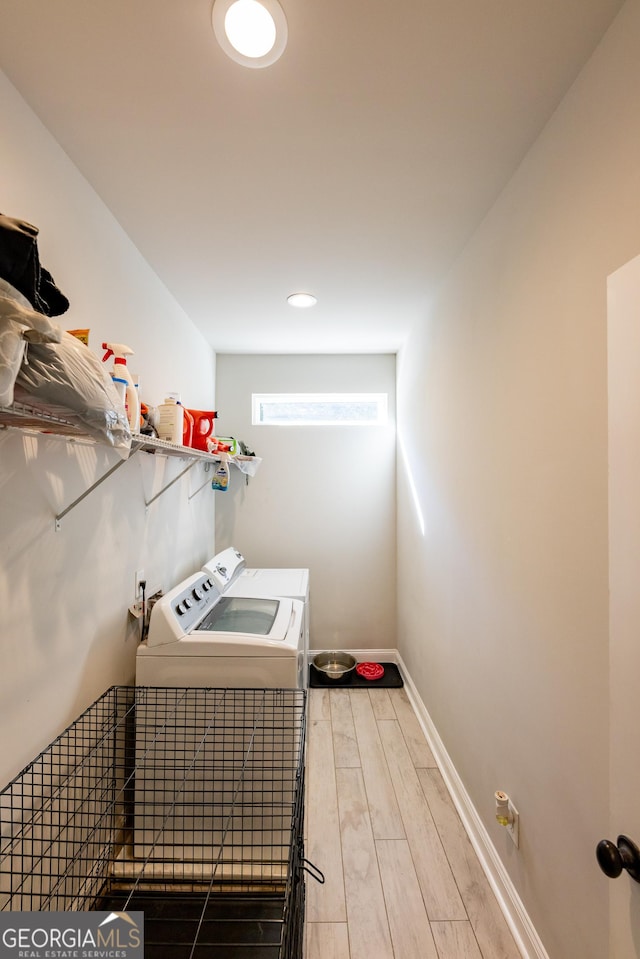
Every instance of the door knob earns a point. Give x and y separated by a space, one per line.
612 859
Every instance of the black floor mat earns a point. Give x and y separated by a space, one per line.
391 679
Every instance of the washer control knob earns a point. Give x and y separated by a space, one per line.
180 610
187 604
196 594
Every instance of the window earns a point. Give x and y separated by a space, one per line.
319 409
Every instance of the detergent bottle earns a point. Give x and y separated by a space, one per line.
203 422
170 423
187 427
120 352
221 476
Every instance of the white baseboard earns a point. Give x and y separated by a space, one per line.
521 926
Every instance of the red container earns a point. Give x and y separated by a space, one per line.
187 428
203 423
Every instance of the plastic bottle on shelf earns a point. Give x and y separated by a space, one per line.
203 423
120 352
222 444
221 475
121 388
136 382
187 428
171 420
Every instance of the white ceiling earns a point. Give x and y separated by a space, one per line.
356 167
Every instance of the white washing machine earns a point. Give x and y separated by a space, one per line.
228 570
199 637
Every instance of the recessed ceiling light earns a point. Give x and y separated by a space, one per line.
302 299
251 32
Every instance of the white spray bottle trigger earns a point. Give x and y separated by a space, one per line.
116 349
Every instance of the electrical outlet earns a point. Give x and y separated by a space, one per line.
513 827
140 578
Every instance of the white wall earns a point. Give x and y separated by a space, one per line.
64 632
502 404
324 497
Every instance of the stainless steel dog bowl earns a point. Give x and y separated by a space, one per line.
335 664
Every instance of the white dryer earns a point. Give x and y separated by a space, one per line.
228 570
199 637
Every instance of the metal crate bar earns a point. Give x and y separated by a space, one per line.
185 803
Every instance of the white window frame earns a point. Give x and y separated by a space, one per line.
304 399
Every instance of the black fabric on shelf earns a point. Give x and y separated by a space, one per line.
20 266
391 679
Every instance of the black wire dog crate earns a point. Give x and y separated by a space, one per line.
185 804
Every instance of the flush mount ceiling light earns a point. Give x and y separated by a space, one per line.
302 300
250 32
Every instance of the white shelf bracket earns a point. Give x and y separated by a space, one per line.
169 485
207 469
60 516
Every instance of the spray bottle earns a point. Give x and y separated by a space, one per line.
221 476
120 352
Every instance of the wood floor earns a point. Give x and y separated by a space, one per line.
402 879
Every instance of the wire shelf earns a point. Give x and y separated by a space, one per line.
186 804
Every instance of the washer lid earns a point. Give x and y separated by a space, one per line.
241 614
271 582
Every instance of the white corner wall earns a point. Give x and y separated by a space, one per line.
324 497
64 631
502 403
